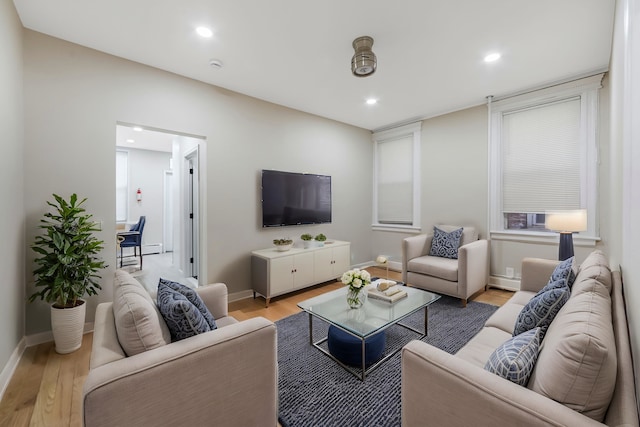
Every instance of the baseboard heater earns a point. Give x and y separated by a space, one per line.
152 248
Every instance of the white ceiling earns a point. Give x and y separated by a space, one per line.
297 53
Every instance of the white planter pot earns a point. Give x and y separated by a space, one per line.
68 325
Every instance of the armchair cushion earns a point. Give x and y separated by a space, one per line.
515 359
182 317
445 244
444 268
193 298
139 324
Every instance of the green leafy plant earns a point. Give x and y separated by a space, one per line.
320 237
306 236
68 262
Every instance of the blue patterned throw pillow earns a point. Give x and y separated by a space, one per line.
194 299
183 318
541 310
515 359
445 245
564 271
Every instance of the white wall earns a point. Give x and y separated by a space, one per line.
74 97
146 171
625 162
13 245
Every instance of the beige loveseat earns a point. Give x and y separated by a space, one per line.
460 278
584 370
225 377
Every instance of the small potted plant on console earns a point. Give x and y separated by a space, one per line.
307 239
320 239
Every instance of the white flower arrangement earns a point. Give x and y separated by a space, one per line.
356 279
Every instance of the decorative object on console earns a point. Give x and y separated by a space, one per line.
320 239
566 223
283 245
364 61
445 244
356 279
307 239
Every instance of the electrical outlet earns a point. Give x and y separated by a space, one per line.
510 272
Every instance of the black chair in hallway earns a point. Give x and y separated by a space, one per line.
132 239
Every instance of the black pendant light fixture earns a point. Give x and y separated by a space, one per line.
364 61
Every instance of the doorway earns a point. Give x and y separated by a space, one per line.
158 175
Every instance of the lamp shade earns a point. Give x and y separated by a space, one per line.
566 221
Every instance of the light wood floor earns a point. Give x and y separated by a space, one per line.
46 388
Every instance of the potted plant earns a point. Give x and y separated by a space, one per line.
307 240
66 268
320 238
283 244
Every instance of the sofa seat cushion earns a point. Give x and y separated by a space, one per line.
577 362
596 266
505 317
443 268
480 347
138 322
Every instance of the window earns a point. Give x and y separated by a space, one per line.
397 178
543 156
122 185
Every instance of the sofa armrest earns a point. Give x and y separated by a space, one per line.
473 267
535 273
215 296
228 376
441 389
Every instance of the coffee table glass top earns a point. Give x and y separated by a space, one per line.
373 316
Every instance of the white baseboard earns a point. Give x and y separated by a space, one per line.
504 283
237 296
43 337
10 367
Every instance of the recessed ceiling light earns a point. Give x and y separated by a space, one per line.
492 57
138 129
204 32
131 141
372 101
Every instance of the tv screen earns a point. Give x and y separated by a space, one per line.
295 198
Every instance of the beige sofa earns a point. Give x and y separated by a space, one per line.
583 375
225 377
460 278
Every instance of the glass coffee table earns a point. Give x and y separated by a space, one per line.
374 317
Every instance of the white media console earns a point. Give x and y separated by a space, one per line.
276 273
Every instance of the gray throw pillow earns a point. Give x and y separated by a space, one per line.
541 310
515 359
181 316
445 245
194 299
564 271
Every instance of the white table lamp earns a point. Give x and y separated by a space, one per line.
566 223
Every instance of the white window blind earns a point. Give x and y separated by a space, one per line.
541 158
395 181
122 185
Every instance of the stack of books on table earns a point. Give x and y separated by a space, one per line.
391 294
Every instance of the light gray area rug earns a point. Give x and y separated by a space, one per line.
315 391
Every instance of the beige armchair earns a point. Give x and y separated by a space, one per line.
460 278
225 377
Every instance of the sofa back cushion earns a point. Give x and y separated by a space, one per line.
138 322
596 266
577 361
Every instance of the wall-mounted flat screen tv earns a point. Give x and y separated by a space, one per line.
295 198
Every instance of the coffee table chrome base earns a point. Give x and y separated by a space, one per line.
364 371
